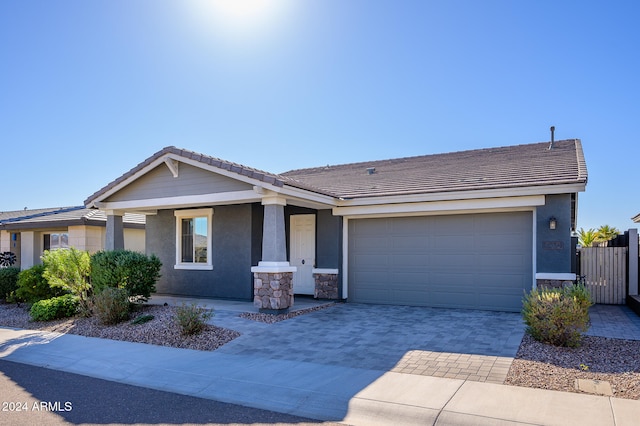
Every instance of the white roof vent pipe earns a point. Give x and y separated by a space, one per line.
553 129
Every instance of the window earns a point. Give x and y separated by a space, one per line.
56 241
193 239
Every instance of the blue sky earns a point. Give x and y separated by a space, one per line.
88 89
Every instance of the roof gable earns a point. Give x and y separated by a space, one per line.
190 180
226 168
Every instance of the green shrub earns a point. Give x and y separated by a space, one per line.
111 305
142 319
8 281
70 270
54 308
33 286
557 316
192 319
133 271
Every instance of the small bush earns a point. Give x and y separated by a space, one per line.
33 286
70 270
126 269
557 316
192 319
8 281
54 308
111 305
142 319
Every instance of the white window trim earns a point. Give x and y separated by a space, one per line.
191 213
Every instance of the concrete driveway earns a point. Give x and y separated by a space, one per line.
464 344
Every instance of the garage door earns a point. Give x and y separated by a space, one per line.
479 261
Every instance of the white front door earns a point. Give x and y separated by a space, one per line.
303 252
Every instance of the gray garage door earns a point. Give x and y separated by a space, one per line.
479 261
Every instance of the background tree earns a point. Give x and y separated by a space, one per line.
606 233
588 237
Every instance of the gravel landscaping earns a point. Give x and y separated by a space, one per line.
272 319
162 330
536 365
616 361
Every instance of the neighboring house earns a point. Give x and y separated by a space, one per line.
473 229
636 218
28 233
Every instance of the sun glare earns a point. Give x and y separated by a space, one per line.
240 17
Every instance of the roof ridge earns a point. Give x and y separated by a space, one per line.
413 157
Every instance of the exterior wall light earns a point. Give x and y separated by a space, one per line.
552 222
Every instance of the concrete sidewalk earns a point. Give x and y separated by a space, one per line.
320 391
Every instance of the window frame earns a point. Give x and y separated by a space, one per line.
193 214
59 246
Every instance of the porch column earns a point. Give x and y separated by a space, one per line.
30 249
274 245
273 277
115 232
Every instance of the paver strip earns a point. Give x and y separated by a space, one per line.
478 368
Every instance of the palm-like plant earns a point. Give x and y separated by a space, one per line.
606 233
588 237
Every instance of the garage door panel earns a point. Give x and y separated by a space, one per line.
410 261
479 261
450 242
453 261
367 244
371 295
451 225
503 262
500 243
371 261
410 280
412 298
410 226
409 243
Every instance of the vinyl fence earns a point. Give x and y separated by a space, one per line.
605 271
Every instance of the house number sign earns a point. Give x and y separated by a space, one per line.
553 245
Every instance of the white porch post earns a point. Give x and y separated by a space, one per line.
30 249
115 231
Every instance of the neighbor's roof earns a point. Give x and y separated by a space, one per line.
636 218
490 168
61 216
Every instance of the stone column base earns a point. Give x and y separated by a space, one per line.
326 284
553 283
273 292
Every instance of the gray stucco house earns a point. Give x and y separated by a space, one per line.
472 229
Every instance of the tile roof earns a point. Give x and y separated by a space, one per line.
61 216
490 168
